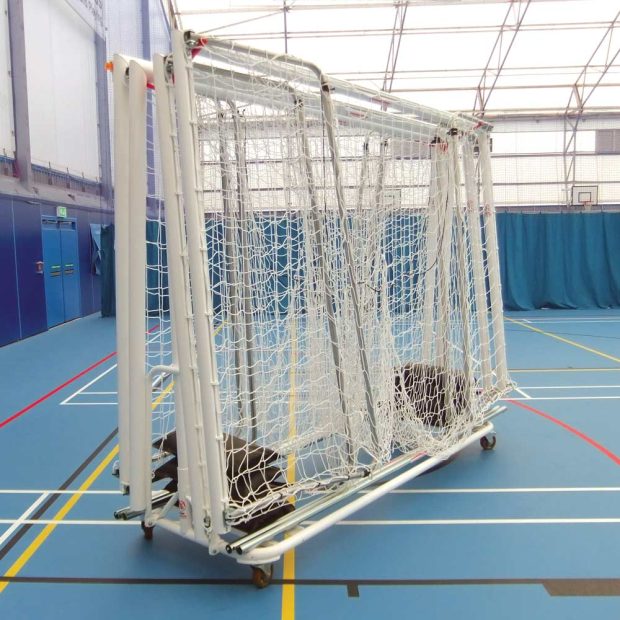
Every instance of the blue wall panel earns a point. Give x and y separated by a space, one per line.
9 307
23 310
27 222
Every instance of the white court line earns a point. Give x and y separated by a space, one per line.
535 521
507 490
54 492
565 398
79 404
569 320
105 372
98 393
22 519
65 522
569 387
77 392
527 396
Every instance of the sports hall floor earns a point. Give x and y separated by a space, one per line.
530 530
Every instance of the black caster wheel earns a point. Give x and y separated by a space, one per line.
488 442
147 531
262 576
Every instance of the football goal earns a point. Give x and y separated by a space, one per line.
308 295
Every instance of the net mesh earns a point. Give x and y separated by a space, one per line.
348 277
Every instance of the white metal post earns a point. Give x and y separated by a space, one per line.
139 408
201 288
446 206
497 318
430 267
477 258
462 269
121 257
191 480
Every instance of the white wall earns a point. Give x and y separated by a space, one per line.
62 98
7 140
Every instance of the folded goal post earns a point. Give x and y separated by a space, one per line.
308 294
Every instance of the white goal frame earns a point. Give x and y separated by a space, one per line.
197 509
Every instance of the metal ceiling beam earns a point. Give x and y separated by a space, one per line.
604 56
397 35
499 53
344 4
420 31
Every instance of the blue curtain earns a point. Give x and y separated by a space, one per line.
564 260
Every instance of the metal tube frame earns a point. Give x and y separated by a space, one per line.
121 250
492 253
329 300
259 548
139 407
191 480
231 269
480 292
216 504
243 202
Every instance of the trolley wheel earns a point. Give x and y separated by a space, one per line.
262 575
487 442
147 530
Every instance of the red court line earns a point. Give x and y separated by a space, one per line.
571 429
64 385
56 389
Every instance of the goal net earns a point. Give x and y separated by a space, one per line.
330 275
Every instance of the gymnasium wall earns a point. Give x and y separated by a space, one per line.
62 98
22 310
566 260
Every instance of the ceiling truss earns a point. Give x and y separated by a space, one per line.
603 57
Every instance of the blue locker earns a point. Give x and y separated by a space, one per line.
70 268
52 272
61 270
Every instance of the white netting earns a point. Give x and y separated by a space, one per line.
342 275
343 255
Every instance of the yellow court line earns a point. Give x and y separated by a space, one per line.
288 566
59 516
34 546
566 340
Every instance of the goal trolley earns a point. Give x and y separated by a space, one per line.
309 311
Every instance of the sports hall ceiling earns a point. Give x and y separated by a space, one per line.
496 57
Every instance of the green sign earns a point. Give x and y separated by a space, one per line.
61 211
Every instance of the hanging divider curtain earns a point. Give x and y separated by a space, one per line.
564 260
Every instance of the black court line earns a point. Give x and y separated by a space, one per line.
554 587
23 530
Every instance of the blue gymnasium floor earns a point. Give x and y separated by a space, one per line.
530 530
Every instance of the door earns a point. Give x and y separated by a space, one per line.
70 268
61 270
52 272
